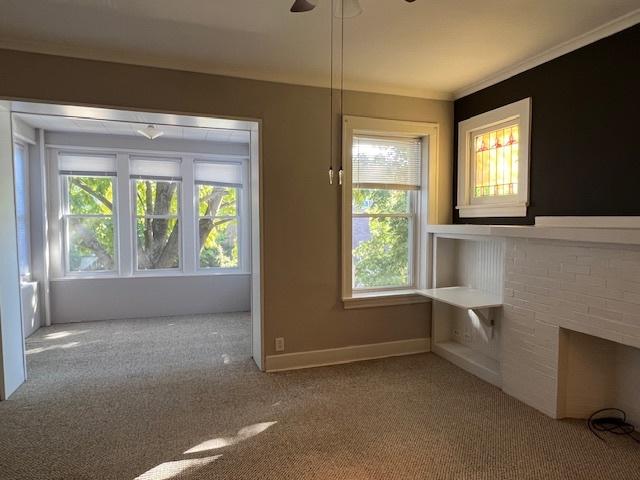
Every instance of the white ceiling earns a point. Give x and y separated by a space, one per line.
429 48
85 125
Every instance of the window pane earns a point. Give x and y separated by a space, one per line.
217 201
158 243
366 200
22 194
496 162
155 197
90 195
219 243
91 246
380 252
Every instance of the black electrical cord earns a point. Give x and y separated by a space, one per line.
611 420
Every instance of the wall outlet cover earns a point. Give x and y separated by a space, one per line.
280 344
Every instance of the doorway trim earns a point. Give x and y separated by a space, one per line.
9 356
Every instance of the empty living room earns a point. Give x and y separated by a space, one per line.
319 239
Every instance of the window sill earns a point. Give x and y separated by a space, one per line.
383 299
493 210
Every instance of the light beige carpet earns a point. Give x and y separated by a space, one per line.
179 398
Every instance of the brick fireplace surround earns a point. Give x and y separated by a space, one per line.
569 332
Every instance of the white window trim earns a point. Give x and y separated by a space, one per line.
124 214
21 142
425 212
510 206
67 272
243 214
137 272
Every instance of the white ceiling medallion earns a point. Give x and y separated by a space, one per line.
151 132
347 9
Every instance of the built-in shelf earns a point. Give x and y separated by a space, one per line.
471 360
463 297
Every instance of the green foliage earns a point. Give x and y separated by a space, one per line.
91 228
91 239
158 237
219 227
382 260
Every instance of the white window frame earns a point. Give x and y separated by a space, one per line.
240 221
137 272
498 206
425 209
125 215
24 146
64 227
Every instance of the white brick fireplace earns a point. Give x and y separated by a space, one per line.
567 338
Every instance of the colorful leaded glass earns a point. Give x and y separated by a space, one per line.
496 162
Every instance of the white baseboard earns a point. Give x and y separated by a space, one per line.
355 353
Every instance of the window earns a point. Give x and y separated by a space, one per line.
21 170
156 189
385 179
218 187
384 208
145 213
88 212
493 156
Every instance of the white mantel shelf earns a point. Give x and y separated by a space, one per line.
621 236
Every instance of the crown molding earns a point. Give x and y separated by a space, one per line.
598 33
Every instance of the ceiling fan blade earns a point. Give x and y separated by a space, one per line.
302 6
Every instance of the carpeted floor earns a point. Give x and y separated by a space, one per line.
179 398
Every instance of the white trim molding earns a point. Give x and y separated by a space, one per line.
426 209
498 206
589 222
355 353
598 33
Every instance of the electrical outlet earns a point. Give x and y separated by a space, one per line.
280 344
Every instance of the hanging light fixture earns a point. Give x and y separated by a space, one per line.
151 132
302 6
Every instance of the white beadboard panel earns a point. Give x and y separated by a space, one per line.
480 265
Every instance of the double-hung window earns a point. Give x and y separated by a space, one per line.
156 188
88 212
219 234
384 208
385 182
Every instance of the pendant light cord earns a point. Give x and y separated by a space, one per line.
341 82
331 98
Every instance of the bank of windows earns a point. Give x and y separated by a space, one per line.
89 211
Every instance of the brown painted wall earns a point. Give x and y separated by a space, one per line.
301 211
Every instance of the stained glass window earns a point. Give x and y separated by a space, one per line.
496 162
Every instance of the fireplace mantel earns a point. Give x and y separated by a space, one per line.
551 280
619 236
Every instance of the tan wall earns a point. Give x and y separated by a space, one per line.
301 211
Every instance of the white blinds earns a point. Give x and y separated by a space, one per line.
218 173
155 168
86 164
386 162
